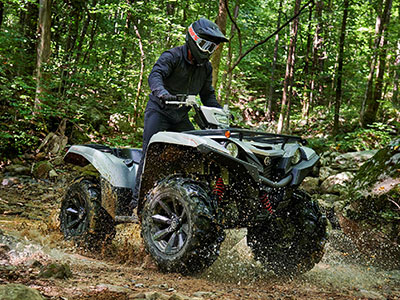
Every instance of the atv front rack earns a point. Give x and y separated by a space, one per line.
251 135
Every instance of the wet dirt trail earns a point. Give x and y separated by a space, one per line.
30 240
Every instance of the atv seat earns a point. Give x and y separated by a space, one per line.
126 153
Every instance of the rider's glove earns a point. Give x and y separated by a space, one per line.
167 97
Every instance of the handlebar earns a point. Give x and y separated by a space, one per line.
184 100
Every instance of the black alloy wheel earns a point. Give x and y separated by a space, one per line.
178 226
82 218
294 241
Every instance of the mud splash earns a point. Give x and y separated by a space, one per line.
342 268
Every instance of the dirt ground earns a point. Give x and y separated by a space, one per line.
30 240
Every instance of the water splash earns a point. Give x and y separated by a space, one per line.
342 267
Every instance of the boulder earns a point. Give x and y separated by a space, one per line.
41 169
18 292
56 270
335 184
370 214
325 172
352 161
17 169
310 185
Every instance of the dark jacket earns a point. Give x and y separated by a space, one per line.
173 73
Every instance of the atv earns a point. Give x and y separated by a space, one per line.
196 184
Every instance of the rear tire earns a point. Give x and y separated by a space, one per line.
179 228
294 242
82 218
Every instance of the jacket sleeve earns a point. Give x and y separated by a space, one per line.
207 92
162 69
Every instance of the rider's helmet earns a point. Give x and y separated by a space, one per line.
203 38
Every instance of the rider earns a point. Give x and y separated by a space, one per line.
181 70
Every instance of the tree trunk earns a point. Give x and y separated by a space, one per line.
139 88
127 29
306 98
286 96
317 57
339 74
43 48
395 97
370 80
1 13
216 57
227 77
269 104
84 31
372 102
29 26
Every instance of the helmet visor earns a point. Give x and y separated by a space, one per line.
202 44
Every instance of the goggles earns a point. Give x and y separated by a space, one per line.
204 45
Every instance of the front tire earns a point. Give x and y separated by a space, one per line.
294 241
82 218
179 228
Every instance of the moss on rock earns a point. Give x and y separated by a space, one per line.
370 215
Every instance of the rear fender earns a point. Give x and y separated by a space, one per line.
117 179
112 168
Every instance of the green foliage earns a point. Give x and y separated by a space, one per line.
95 65
375 136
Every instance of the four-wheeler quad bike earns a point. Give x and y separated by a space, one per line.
194 185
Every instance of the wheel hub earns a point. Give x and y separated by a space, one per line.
175 223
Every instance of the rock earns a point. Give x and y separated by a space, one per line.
207 295
9 181
352 161
310 185
4 249
178 296
327 158
335 184
54 142
56 270
325 172
53 174
370 295
41 169
59 160
370 214
18 292
114 288
18 169
150 296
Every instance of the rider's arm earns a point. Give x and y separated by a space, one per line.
207 92
162 69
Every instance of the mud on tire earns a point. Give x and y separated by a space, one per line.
294 242
82 218
178 226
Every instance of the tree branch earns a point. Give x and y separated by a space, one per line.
268 37
236 26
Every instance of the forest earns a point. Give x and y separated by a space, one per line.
327 70
75 72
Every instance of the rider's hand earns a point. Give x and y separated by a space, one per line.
167 97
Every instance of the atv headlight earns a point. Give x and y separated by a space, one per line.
296 157
222 119
233 149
